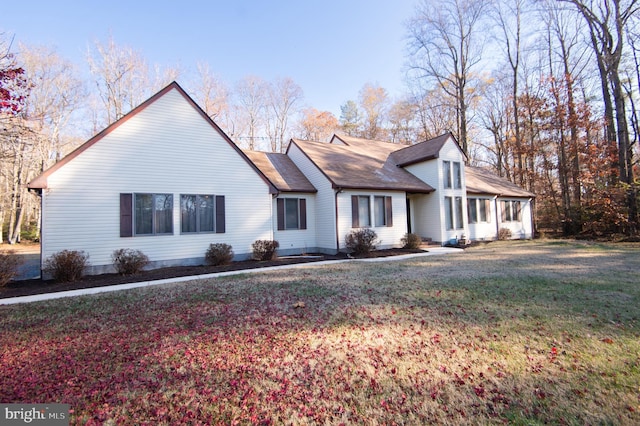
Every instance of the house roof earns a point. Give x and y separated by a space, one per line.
423 151
281 171
40 182
361 164
480 181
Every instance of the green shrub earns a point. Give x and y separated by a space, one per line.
67 265
129 261
9 263
361 241
504 234
411 241
265 249
219 254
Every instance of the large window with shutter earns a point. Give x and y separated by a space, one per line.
360 211
291 213
152 214
382 213
200 213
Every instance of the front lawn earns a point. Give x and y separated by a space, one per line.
524 332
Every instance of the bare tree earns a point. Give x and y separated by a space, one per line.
284 98
251 93
121 77
56 93
374 101
446 48
508 15
435 113
402 127
211 93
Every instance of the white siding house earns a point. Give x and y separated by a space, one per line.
159 154
166 180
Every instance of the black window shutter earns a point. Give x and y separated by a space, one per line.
388 212
126 215
280 213
220 216
355 216
303 213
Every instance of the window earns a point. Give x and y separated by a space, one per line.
478 210
457 175
511 211
485 210
452 177
360 211
382 213
291 213
448 212
472 210
453 213
459 217
197 213
446 170
153 214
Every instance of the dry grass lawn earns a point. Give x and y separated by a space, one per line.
523 332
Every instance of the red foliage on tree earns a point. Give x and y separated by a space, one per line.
13 88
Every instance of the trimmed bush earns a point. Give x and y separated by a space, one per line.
265 249
411 241
67 265
9 263
361 241
129 261
504 234
219 254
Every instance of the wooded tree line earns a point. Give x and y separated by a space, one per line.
543 92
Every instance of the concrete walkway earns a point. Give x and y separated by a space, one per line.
86 291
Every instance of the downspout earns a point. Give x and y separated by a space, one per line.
531 209
273 231
498 216
338 191
40 192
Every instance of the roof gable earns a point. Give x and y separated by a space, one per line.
424 151
40 182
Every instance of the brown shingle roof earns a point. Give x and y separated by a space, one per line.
365 165
281 171
423 151
480 181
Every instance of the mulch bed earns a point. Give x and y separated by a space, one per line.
37 286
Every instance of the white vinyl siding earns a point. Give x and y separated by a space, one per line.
389 236
430 210
183 154
296 241
323 214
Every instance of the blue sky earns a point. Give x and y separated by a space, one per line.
331 48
